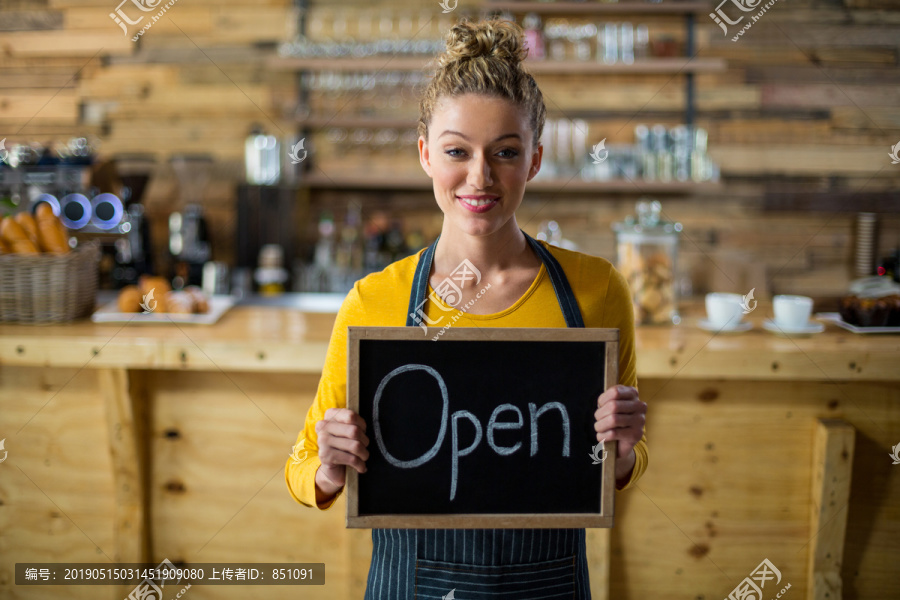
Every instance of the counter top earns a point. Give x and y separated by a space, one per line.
278 339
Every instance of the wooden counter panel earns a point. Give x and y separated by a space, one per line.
219 492
56 486
729 485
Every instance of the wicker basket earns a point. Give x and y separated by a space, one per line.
48 288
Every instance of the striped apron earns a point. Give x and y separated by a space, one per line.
481 564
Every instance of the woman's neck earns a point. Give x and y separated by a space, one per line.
500 251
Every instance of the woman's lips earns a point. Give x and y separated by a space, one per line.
478 204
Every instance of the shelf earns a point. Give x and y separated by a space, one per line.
575 185
536 67
376 122
356 121
649 65
591 8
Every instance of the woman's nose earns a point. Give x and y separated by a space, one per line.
480 173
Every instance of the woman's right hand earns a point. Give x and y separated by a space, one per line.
342 443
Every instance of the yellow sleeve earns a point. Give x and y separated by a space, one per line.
619 313
300 468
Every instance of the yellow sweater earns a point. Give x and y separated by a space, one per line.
382 299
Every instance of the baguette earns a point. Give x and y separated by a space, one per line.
5 248
52 234
27 222
43 211
16 237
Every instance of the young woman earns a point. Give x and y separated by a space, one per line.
480 124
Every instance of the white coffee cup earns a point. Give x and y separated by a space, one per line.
724 310
792 312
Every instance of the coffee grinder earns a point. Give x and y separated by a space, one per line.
134 253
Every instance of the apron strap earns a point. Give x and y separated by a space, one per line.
564 294
416 312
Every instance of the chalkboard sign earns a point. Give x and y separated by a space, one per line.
482 428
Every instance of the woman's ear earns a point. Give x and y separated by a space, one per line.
424 155
536 157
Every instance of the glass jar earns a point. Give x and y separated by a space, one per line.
647 250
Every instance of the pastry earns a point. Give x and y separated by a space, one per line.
152 282
130 299
180 302
201 304
865 312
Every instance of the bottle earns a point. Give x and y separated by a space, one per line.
271 274
534 36
323 258
262 158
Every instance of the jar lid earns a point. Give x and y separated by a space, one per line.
648 221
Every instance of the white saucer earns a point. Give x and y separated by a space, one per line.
808 329
708 326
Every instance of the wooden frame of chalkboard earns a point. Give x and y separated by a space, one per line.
380 353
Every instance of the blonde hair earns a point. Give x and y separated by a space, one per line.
484 57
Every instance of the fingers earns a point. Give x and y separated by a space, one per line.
617 392
334 457
620 426
341 430
342 439
620 415
345 415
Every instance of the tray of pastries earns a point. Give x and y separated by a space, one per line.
154 301
873 306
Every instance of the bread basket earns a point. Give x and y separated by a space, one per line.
49 288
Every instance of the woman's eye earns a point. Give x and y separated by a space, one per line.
507 153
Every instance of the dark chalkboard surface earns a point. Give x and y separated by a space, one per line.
483 427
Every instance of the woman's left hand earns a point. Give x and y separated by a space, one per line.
620 416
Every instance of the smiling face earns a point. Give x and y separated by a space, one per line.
479 155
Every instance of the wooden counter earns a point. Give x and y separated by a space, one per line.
278 340
145 442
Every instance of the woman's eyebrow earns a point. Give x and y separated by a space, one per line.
504 136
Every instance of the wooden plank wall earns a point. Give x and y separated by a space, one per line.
809 103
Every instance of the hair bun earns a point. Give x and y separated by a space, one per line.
494 38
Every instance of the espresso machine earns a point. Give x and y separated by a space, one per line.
89 198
